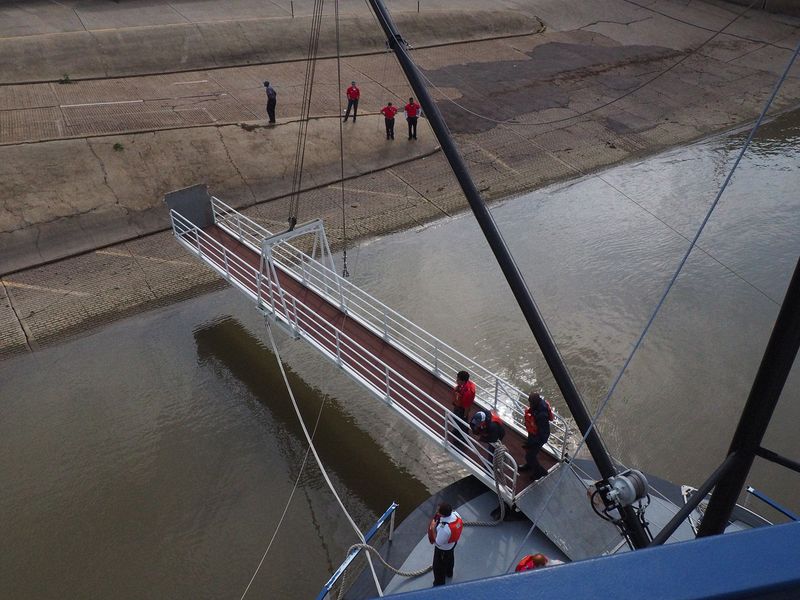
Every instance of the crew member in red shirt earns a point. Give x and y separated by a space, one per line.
353 94
412 113
389 112
463 395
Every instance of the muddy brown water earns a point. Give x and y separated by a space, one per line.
154 457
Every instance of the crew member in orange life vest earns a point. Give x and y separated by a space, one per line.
488 427
444 532
537 423
353 94
388 113
412 112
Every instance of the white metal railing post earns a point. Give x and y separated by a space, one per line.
239 225
314 247
338 349
436 357
385 324
225 260
213 210
296 320
342 303
388 385
496 391
269 287
197 242
259 279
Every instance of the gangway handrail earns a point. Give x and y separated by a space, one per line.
438 357
375 372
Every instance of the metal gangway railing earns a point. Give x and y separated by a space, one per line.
278 258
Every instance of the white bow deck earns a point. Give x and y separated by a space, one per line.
400 363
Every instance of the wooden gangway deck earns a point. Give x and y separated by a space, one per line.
404 366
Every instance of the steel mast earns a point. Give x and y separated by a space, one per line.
566 385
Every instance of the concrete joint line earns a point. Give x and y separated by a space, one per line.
234 165
101 103
25 331
420 194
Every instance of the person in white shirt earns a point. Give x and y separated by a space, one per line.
444 532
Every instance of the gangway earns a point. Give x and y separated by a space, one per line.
399 362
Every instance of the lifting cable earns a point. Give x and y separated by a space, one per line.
305 110
345 272
660 303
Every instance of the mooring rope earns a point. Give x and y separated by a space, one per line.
498 464
288 503
316 454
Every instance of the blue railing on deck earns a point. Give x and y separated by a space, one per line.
353 553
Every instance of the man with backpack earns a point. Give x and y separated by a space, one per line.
444 532
537 423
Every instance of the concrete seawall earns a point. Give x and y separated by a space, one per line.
189 46
94 195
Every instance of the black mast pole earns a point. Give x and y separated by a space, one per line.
512 274
781 351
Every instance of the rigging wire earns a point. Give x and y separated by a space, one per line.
288 502
345 272
598 176
305 110
648 211
313 450
660 74
670 284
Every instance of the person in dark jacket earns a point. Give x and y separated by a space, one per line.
537 423
272 100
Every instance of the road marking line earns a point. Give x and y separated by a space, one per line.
374 193
150 258
101 103
499 161
188 82
39 288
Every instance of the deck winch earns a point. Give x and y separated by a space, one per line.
624 489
